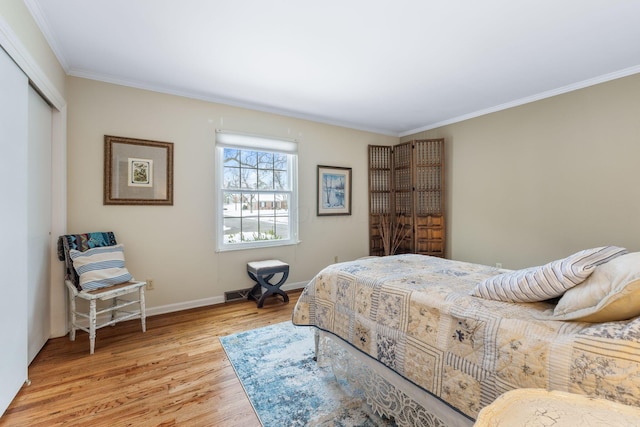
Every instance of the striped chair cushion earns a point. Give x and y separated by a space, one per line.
547 281
100 267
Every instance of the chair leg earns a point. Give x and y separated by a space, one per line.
72 317
92 326
143 314
114 303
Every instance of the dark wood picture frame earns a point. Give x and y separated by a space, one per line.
334 190
137 171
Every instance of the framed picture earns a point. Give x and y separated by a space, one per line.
137 171
334 190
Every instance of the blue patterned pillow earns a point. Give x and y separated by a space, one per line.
100 267
547 281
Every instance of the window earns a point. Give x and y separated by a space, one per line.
257 196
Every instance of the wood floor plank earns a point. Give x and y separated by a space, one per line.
175 374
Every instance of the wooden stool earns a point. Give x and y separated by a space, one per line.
262 272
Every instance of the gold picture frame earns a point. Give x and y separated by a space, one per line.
137 171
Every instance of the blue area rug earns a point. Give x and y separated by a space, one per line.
285 385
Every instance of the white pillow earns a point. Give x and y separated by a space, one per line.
611 293
547 281
100 267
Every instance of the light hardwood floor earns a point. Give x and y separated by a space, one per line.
175 374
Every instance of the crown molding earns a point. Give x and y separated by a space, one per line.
529 99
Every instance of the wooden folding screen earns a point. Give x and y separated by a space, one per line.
406 198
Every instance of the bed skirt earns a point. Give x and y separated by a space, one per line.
387 393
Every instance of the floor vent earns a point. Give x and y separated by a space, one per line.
237 295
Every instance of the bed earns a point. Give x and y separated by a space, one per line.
418 338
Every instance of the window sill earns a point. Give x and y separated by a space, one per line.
249 246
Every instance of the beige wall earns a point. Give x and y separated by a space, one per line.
537 182
175 245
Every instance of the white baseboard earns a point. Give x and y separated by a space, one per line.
171 308
293 286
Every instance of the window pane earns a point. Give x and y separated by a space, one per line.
249 158
249 205
232 209
266 204
232 230
282 203
267 212
265 179
281 216
231 157
282 227
266 226
232 204
280 180
280 161
249 178
265 160
231 177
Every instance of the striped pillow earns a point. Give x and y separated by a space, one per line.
100 267
547 281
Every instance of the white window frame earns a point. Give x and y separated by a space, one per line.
228 139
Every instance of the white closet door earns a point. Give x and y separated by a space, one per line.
39 223
13 229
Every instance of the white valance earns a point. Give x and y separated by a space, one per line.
226 138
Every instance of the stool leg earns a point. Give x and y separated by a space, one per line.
273 289
256 291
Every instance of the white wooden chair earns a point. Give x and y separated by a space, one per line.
126 299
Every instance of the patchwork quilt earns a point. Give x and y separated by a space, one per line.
414 314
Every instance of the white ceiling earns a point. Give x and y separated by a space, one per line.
389 66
